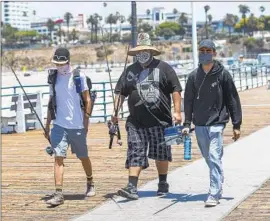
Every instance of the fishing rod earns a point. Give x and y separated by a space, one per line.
114 129
32 107
110 125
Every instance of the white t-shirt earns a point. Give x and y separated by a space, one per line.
68 109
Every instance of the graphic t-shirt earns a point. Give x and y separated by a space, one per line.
148 91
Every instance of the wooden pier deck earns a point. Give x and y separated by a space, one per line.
27 171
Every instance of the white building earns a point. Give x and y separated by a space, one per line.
17 14
40 25
159 15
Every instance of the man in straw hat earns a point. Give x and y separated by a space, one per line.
148 84
70 123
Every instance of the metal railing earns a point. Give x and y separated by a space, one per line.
244 77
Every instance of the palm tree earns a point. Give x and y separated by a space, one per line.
262 9
230 20
244 10
111 19
97 19
68 16
122 19
261 26
206 9
183 19
50 25
210 18
91 21
73 35
252 23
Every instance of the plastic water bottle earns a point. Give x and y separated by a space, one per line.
77 80
187 147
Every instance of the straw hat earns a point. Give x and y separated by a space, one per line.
144 43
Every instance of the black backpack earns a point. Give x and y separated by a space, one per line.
52 81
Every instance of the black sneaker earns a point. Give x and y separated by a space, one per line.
129 192
163 188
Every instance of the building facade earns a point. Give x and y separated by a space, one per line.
17 14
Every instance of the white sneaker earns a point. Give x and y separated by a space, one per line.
211 201
90 190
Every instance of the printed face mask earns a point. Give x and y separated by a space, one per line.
205 58
143 57
63 69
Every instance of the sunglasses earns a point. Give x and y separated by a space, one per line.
60 58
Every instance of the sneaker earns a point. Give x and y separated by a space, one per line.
211 201
57 199
90 189
129 192
163 188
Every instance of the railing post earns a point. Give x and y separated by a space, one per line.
240 78
20 117
262 75
14 90
251 81
104 101
257 79
246 78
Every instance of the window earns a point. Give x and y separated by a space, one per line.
157 16
6 15
6 10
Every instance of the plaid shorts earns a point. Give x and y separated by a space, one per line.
139 139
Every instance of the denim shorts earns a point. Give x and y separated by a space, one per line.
61 138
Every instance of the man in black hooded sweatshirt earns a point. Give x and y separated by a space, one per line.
210 99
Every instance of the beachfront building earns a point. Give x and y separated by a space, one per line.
158 15
40 25
78 23
17 14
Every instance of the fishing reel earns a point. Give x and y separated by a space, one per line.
112 128
49 151
114 131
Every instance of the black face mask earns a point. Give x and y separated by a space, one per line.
205 58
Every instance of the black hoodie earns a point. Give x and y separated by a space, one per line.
211 98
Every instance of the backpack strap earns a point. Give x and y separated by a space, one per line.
52 77
76 74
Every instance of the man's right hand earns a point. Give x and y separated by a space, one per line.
47 133
185 131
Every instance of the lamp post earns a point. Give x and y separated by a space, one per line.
133 23
194 35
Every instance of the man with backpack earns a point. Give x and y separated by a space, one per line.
148 83
210 99
69 92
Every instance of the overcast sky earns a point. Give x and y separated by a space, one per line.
218 9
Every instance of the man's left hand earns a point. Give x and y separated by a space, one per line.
236 134
177 118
